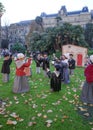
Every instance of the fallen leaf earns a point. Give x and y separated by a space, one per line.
86 114
30 123
49 121
48 125
39 114
15 98
44 116
1 126
65 117
14 115
82 109
49 111
10 122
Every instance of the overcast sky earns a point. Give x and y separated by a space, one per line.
20 10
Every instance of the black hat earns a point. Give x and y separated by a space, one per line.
57 67
6 54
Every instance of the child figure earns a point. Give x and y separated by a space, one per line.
55 79
87 90
28 70
71 63
38 61
6 67
21 83
45 63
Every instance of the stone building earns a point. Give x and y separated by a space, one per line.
17 32
79 17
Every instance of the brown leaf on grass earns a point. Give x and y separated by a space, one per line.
17 102
91 123
39 114
58 102
23 95
1 126
38 96
5 115
19 119
40 79
48 124
43 105
69 92
82 109
30 99
62 120
34 106
55 119
26 102
34 123
76 96
49 111
86 114
33 118
2 111
49 121
14 115
10 122
54 104
15 98
71 101
65 117
60 110
10 102
65 98
35 86
45 116
44 96
30 123
74 90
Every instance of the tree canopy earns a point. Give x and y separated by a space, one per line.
53 38
2 8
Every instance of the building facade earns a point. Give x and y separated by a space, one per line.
80 17
17 32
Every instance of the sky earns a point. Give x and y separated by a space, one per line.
21 10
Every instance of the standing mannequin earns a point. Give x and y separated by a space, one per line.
21 83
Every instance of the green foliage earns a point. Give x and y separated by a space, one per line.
2 8
53 38
90 52
18 48
89 34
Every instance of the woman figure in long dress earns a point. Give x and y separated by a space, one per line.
87 90
21 83
55 79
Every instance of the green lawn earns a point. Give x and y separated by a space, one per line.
40 109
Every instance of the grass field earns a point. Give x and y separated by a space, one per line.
39 109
